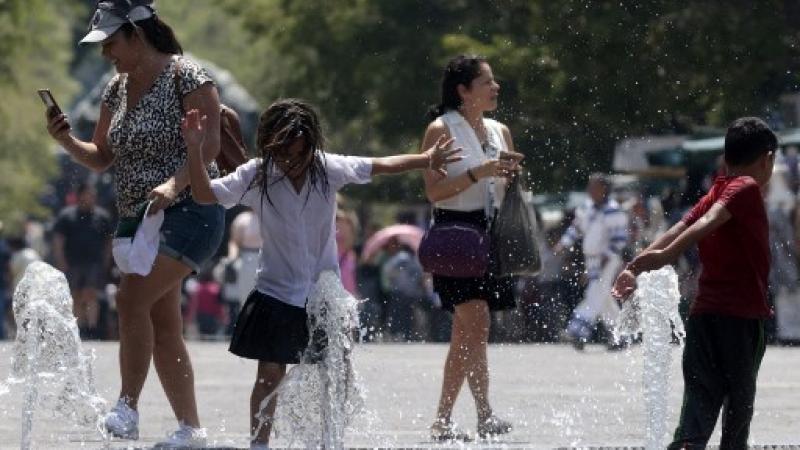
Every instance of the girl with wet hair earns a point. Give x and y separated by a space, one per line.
282 123
292 188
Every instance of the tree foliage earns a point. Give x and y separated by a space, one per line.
576 75
35 49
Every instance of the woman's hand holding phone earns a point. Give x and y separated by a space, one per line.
57 124
59 127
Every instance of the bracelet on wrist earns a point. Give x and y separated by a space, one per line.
472 176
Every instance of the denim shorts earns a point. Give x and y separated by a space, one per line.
191 233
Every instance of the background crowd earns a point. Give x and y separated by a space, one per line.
379 264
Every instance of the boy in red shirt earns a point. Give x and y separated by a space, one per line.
725 329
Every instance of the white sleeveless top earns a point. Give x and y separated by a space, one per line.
476 196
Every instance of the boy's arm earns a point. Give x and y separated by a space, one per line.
665 239
667 248
657 258
194 129
434 158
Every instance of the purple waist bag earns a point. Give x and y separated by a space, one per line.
455 249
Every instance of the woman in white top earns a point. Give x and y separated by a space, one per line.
470 192
292 189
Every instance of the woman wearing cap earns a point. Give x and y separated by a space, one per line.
138 133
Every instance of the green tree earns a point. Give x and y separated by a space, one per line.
576 76
35 50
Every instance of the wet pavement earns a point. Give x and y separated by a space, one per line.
555 396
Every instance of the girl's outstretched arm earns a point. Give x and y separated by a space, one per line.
434 158
194 132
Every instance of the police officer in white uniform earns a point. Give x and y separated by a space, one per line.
603 226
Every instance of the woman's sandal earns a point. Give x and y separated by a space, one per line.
444 430
493 426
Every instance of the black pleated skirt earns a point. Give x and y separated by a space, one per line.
270 330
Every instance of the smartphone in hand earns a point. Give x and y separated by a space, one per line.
48 100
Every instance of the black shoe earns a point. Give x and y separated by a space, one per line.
493 426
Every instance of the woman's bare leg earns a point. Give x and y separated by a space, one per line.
135 300
172 359
467 350
478 368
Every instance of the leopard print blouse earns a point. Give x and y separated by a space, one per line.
146 138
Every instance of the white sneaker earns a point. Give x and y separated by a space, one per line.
123 421
185 437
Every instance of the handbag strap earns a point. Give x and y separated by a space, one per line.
492 151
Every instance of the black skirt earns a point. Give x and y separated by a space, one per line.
497 292
270 330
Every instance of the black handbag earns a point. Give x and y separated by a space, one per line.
514 245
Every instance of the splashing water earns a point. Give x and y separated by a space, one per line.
49 361
653 311
319 398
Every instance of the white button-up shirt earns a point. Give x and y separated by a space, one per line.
298 228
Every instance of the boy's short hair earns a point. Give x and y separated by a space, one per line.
747 139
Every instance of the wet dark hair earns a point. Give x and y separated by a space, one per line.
460 70
157 33
280 126
747 139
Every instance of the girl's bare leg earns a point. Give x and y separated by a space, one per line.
268 377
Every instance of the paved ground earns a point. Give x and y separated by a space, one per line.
556 398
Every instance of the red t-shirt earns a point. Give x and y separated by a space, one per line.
736 255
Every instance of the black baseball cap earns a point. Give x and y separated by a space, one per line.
110 15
